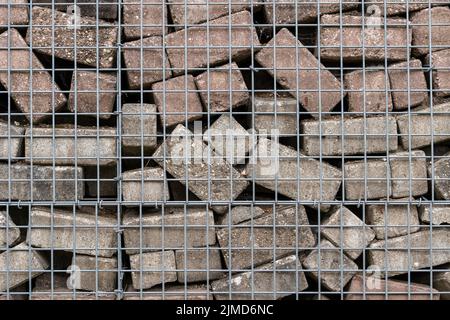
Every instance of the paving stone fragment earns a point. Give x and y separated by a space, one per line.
239 214
13 12
440 63
9 232
94 273
154 184
50 279
397 7
27 86
83 233
273 280
83 146
171 292
144 18
61 294
297 70
101 183
139 127
439 173
53 34
193 263
11 140
107 9
435 214
441 282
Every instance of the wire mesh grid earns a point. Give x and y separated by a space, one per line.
224 149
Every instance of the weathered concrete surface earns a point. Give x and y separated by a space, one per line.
9 232
171 292
239 214
440 172
78 232
195 228
380 289
23 85
358 135
398 7
52 34
270 281
230 139
408 175
440 30
51 278
147 269
215 180
146 185
191 262
191 12
154 65
107 9
144 18
368 90
440 63
66 182
297 70
62 294
105 180
16 14
95 273
410 252
210 46
340 268
347 231
82 146
215 85
274 114
276 168
291 11
83 97
348 34
424 126
441 281
139 127
11 139
407 94
366 179
436 214
392 220
177 100
19 265
257 242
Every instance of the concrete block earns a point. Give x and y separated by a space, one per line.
440 171
368 91
139 127
171 292
49 280
93 92
256 242
349 135
24 85
62 294
215 85
424 126
435 214
339 268
107 9
211 46
152 268
408 94
13 12
199 264
82 233
40 182
441 282
380 289
11 140
9 232
440 63
144 18
398 7
52 34
209 178
440 30
101 184
154 65
349 35
173 230
279 168
366 179
95 273
271 281
410 252
82 146
19 265
145 185
346 230
297 70
230 139
393 219
174 104
239 214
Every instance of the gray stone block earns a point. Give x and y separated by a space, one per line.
239 214
52 34
256 242
144 18
199 264
9 232
366 179
339 268
441 281
173 230
139 127
171 292
440 63
146 185
107 9
410 252
82 146
62 294
271 281
19 265
399 7
440 172
152 268
11 140
13 12
40 182
435 213
94 273
70 231
349 135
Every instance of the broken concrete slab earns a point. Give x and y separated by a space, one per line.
440 63
145 185
139 127
171 292
435 214
107 9
439 174
397 7
199 264
9 232
144 18
61 294
94 273
441 281
11 140
13 13
239 214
